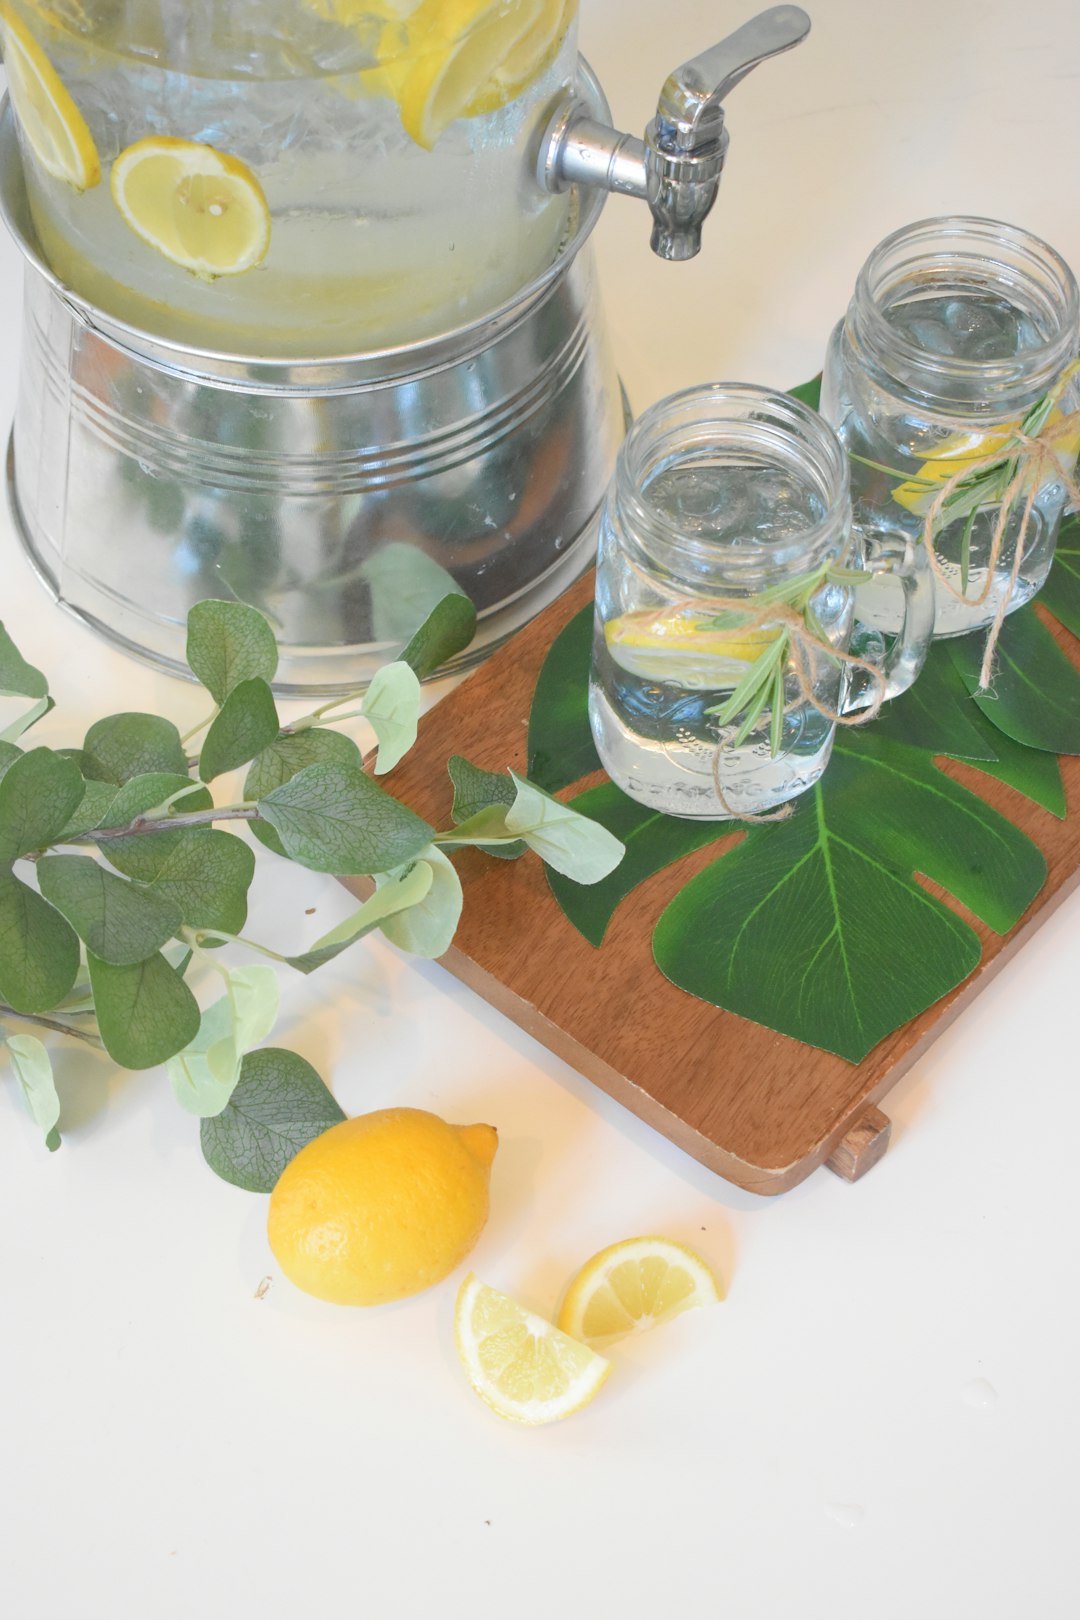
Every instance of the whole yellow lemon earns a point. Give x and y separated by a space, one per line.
381 1206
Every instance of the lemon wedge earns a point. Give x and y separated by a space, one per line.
523 1367
634 1285
525 61
455 47
54 127
672 647
201 208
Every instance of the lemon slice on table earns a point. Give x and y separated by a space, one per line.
55 128
455 47
672 647
526 60
634 1285
201 208
522 1366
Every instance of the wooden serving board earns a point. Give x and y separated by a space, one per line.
759 1108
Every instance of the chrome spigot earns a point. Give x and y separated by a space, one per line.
677 167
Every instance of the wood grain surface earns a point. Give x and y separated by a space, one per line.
759 1108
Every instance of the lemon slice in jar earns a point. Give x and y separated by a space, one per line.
675 647
971 451
455 46
534 52
56 130
201 208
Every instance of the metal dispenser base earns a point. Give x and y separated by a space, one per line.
342 497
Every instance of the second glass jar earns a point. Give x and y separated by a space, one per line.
960 335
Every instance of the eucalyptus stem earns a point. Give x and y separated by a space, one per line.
196 936
154 824
56 1024
306 721
202 725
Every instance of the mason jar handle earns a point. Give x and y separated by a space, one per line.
900 555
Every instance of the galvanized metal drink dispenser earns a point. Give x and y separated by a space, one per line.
343 493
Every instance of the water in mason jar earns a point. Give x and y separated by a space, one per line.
963 327
656 676
387 224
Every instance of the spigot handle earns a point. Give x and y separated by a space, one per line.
691 98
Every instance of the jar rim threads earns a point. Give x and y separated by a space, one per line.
967 254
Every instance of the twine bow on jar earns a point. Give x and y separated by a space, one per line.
783 618
1031 452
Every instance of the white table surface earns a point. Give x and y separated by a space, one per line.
882 1420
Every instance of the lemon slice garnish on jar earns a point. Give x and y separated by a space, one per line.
56 130
522 65
201 208
974 450
455 46
675 647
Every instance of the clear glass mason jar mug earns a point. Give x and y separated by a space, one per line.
949 382
724 606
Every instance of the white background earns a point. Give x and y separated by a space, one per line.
882 1419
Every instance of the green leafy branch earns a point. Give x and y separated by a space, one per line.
118 877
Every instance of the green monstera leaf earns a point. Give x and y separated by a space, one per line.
818 926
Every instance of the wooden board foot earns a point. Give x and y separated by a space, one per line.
862 1147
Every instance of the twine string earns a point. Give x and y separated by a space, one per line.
1035 456
751 614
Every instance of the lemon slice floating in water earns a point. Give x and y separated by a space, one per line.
523 1367
526 60
201 208
634 1285
455 47
974 450
53 125
673 647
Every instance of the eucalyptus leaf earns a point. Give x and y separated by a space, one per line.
447 630
33 1070
39 950
124 746
816 927
143 855
333 818
428 927
396 893
246 724
1034 696
561 748
316 745
9 753
407 589
17 677
477 790
206 876
145 1013
278 1106
39 793
117 921
28 718
566 840
205 1073
229 643
391 706
97 800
